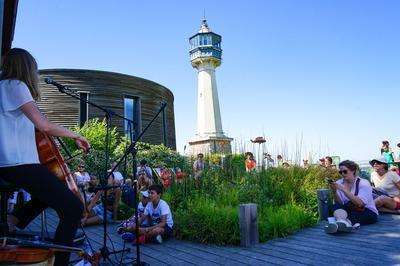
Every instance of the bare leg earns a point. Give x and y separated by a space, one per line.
386 202
154 232
91 221
341 214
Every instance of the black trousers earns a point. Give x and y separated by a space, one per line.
46 191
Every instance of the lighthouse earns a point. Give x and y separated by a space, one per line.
205 56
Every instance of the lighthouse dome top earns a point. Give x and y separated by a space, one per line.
204 27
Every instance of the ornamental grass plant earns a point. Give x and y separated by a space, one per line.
208 211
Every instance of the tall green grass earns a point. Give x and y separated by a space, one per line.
208 212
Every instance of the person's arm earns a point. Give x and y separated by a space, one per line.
31 110
94 200
397 184
337 198
355 199
161 224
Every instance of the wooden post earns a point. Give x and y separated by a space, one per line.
323 203
248 224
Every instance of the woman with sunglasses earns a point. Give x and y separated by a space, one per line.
354 205
388 181
81 176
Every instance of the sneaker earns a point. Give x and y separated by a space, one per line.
344 226
356 226
331 228
121 230
159 239
142 240
128 237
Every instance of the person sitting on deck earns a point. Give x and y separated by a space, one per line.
144 181
165 176
389 182
354 205
123 227
159 216
81 176
96 210
144 168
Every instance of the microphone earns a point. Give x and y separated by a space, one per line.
60 87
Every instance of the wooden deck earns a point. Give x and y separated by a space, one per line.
377 244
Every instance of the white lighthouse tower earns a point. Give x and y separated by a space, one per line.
205 56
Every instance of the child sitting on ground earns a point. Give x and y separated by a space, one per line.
123 227
159 216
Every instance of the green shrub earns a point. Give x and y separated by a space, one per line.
283 220
205 221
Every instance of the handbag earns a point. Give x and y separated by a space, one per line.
350 206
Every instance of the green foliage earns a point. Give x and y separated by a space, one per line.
206 221
206 210
124 212
286 200
283 220
95 132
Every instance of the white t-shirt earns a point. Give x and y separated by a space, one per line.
364 193
148 171
118 177
141 209
387 182
81 178
17 133
156 213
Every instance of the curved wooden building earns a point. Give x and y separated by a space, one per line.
132 97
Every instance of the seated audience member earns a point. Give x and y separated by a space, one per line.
91 184
96 208
159 216
285 165
144 168
388 181
81 176
119 179
354 205
165 176
329 163
321 162
305 163
144 182
128 194
124 227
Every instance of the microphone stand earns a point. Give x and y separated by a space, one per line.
132 150
108 114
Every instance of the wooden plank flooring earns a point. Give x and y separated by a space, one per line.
377 244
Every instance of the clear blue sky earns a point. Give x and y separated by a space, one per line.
324 73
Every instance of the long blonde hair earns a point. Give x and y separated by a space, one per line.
19 64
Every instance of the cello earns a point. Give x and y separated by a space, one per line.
15 251
50 156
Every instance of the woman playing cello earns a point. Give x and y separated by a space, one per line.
19 160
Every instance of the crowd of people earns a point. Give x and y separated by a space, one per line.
154 214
